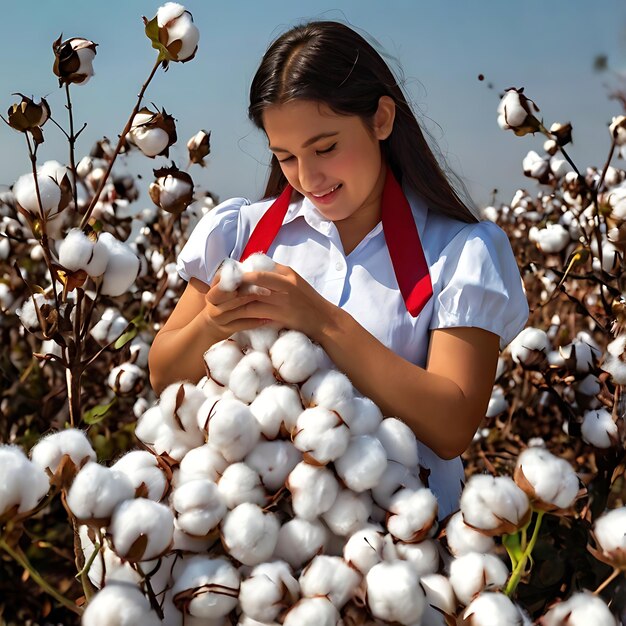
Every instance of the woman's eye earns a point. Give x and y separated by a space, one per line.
285 160
327 150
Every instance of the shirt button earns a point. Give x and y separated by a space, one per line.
338 266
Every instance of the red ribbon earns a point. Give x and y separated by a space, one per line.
403 242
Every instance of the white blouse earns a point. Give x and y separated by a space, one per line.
475 279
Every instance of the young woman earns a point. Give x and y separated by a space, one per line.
378 260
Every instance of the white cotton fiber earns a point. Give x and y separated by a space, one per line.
139 520
269 588
364 416
399 441
423 556
239 483
261 339
252 373
395 478
473 572
329 576
412 514
119 604
202 462
364 549
463 539
72 443
220 360
312 612
249 534
231 428
75 251
321 435
313 490
327 388
273 460
277 406
299 540
208 578
23 483
294 356
349 512
231 274
122 267
199 506
144 473
363 463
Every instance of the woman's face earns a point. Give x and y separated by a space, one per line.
334 160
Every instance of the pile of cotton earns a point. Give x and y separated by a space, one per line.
272 492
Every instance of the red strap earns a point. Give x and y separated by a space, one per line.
405 247
403 242
268 226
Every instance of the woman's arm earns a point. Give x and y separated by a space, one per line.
203 316
443 403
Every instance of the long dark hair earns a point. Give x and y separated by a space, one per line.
329 62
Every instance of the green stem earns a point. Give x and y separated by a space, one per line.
19 556
83 575
521 565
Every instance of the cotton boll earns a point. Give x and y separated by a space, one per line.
125 379
463 539
26 196
494 506
599 429
329 389
202 462
349 512
231 427
321 435
395 478
122 267
96 491
23 483
183 542
156 432
180 404
439 599
549 481
205 587
69 446
141 529
119 604
497 402
495 609
199 505
260 339
294 357
312 612
250 535
143 471
422 556
273 460
615 367
412 514
239 483
252 374
257 262
221 358
231 274
553 238
299 540
364 549
529 346
329 576
399 441
277 406
363 418
269 588
76 250
473 572
210 388
363 463
394 594
313 490
609 531
109 327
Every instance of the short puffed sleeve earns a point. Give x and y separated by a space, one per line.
476 282
211 241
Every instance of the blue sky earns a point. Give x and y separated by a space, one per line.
546 47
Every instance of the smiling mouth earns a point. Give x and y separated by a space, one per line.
326 193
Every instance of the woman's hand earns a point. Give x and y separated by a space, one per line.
290 302
228 312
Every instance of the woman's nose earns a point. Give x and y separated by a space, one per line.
311 177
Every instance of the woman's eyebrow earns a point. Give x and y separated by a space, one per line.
308 142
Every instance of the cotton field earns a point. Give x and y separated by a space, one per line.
272 491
